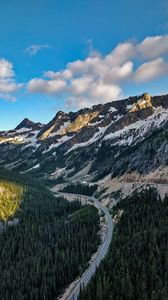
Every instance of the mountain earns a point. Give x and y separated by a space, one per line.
120 138
28 124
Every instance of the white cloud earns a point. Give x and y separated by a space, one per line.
152 47
6 69
87 93
8 84
37 85
122 53
90 81
98 93
34 49
99 78
99 90
79 86
66 74
151 70
119 72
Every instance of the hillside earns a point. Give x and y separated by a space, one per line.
11 195
136 266
49 245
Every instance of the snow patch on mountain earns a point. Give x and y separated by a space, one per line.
61 141
23 129
31 141
136 131
32 168
112 109
96 137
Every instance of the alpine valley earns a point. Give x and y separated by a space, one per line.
53 243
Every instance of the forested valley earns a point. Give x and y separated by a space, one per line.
136 267
49 246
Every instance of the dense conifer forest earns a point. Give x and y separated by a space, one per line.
80 188
136 267
49 246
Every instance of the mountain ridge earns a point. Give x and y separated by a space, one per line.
92 142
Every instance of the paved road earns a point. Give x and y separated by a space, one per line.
84 280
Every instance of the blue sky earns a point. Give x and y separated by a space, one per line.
95 51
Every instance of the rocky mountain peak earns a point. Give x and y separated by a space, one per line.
60 114
54 125
143 102
28 124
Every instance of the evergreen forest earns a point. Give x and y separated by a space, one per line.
136 267
49 246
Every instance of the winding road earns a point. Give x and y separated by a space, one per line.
87 275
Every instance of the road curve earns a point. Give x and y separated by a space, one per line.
87 275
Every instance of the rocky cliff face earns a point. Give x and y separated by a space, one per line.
142 103
108 139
